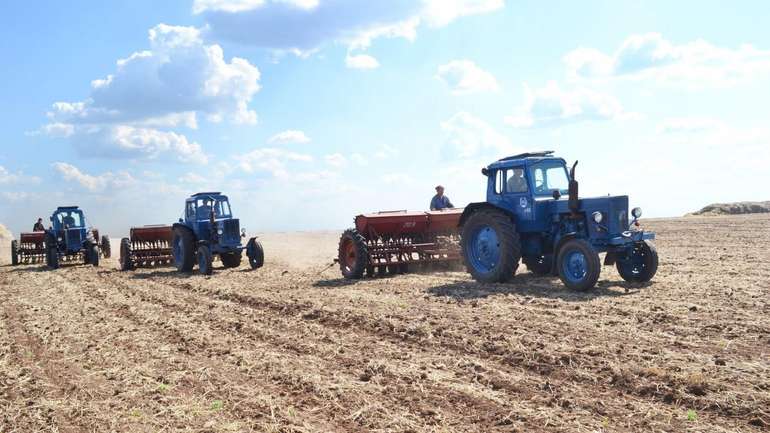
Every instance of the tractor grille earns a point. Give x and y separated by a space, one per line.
618 214
231 230
73 239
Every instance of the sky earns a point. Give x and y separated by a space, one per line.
309 112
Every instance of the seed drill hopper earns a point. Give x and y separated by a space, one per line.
146 247
29 248
400 241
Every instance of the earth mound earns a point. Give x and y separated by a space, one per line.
4 233
739 208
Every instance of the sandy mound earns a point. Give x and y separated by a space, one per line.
5 235
740 208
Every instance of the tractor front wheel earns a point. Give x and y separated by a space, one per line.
184 249
640 264
14 252
231 260
106 248
491 246
353 254
94 253
255 253
579 265
125 255
205 260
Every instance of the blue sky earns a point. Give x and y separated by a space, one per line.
307 112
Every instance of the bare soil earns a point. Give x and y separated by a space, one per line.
294 348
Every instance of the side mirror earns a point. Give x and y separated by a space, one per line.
484 171
556 194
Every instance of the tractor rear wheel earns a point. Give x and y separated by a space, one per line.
231 260
255 253
579 265
126 264
53 253
205 260
353 254
183 246
106 248
491 246
641 264
14 252
540 265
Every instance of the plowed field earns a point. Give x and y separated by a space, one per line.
293 348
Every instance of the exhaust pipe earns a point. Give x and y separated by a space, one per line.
573 202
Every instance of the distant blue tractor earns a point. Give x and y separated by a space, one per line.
525 218
69 238
208 229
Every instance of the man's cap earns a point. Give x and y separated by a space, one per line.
439 186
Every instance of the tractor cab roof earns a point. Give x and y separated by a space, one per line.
525 159
214 195
66 208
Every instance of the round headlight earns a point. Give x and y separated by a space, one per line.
636 212
220 232
598 217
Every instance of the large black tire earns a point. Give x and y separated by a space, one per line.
14 252
353 254
106 248
580 250
94 253
508 244
126 264
53 257
541 265
641 265
205 260
231 260
255 253
183 246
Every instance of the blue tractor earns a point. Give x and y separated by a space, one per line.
208 229
69 238
526 218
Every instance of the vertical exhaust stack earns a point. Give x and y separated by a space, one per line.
573 202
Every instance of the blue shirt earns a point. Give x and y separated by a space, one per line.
438 203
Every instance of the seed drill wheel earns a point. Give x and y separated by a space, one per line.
126 264
353 254
106 248
578 264
183 246
14 252
255 253
491 246
205 260
641 264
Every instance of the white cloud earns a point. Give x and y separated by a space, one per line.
361 61
464 77
689 125
552 106
651 56
336 160
303 26
179 79
104 182
9 178
270 160
290 136
469 136
397 178
385 151
359 159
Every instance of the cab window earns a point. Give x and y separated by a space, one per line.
515 181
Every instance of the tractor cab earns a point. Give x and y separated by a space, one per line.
70 217
200 206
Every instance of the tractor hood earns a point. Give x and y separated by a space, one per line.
614 211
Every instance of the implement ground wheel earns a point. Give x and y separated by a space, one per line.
14 252
126 264
183 246
231 260
491 246
579 265
106 248
641 263
541 265
353 254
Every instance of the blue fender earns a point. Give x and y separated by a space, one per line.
474 207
